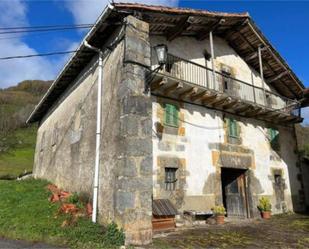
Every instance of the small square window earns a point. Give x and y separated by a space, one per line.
171 115
278 179
170 178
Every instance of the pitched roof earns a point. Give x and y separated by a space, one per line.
238 29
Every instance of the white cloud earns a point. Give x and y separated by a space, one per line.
14 14
86 12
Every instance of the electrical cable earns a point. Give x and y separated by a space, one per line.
36 55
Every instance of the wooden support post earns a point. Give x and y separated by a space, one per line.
212 58
261 73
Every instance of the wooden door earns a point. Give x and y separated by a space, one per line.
235 194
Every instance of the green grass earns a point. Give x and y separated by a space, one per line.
27 214
19 157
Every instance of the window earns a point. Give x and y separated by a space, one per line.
274 138
171 114
226 74
278 179
170 178
268 100
233 128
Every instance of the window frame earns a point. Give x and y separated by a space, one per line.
170 178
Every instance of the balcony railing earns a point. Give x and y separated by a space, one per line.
221 82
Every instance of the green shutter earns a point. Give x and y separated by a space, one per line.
274 138
233 128
171 115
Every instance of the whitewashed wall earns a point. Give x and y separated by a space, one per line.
193 50
204 127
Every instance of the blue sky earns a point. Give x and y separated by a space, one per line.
283 22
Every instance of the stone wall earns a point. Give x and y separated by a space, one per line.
133 207
66 137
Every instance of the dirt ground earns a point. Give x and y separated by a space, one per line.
282 231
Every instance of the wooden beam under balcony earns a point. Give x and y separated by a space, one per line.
232 104
254 111
192 90
205 100
157 84
173 88
221 101
243 107
201 95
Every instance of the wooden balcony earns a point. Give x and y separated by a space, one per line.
190 82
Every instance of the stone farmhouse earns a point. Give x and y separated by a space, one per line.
196 109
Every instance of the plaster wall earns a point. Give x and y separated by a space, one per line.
203 138
193 50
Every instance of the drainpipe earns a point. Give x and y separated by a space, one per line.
98 133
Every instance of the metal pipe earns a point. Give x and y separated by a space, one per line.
212 58
261 72
98 133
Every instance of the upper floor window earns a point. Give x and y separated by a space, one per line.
226 74
273 138
171 115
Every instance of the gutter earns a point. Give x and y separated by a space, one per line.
108 9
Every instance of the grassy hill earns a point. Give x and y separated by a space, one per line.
17 140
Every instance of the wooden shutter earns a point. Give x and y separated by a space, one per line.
274 138
233 129
171 115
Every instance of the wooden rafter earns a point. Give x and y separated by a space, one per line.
175 31
277 77
269 67
254 55
205 33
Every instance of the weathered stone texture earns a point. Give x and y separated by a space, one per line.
135 138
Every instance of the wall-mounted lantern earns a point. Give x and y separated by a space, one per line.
161 51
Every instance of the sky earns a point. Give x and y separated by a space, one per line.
285 24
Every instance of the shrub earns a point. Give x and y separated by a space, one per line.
264 204
74 198
218 210
113 235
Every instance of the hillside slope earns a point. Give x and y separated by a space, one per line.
17 140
